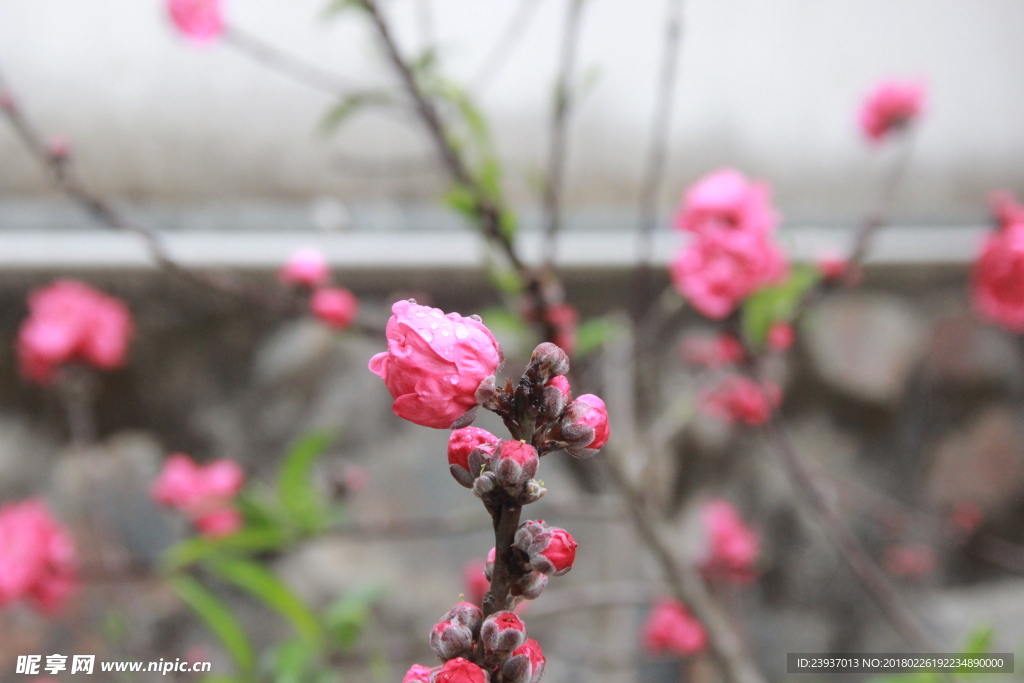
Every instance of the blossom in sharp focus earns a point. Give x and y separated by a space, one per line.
201 21
435 363
459 670
890 107
37 557
998 279
726 202
204 493
671 629
69 321
334 306
716 272
731 546
526 665
306 267
585 427
738 399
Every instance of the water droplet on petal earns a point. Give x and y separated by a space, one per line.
461 332
445 333
454 379
436 312
433 326
420 314
426 335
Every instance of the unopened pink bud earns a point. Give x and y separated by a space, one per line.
201 21
417 673
585 426
780 336
459 670
515 462
553 551
306 267
465 466
467 614
502 633
549 360
671 628
59 147
334 306
557 394
453 635
526 665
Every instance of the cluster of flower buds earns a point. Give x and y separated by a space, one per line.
456 632
549 550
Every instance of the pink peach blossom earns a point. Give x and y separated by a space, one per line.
717 271
306 267
966 516
738 399
417 673
69 321
712 352
435 363
670 628
732 546
37 557
780 336
475 581
832 267
725 201
335 306
201 21
460 670
912 561
998 280
891 106
202 493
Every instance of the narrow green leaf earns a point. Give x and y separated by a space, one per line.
290 661
776 303
200 548
218 618
979 641
271 591
300 500
352 104
347 617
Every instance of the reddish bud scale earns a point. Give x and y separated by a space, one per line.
526 665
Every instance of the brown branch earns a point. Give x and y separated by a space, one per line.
564 100
686 584
850 548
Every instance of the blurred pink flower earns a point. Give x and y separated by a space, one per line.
70 321
732 546
891 106
475 581
37 556
780 336
966 516
203 493
199 20
738 399
335 306
911 561
435 363
724 202
712 352
998 280
832 267
306 267
670 628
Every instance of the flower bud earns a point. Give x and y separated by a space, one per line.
59 148
468 449
334 306
459 670
548 361
532 492
484 484
306 267
557 394
489 566
552 551
502 633
7 102
526 665
585 426
453 635
417 673
514 463
528 531
530 585
671 628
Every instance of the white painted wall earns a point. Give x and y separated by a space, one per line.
768 85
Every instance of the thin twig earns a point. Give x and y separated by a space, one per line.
557 151
504 47
686 584
284 63
857 558
657 152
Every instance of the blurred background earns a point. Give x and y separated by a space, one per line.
895 392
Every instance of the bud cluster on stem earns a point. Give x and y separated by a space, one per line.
441 368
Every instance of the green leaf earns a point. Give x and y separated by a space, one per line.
336 7
347 617
776 304
290 662
271 591
461 200
498 318
300 500
218 619
979 641
595 333
351 104
198 548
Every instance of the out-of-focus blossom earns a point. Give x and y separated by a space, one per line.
69 321
731 547
913 560
37 557
780 336
966 516
712 352
832 267
417 673
306 267
890 107
59 147
435 363
717 271
201 21
738 399
334 306
475 581
998 280
671 629
726 202
203 493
